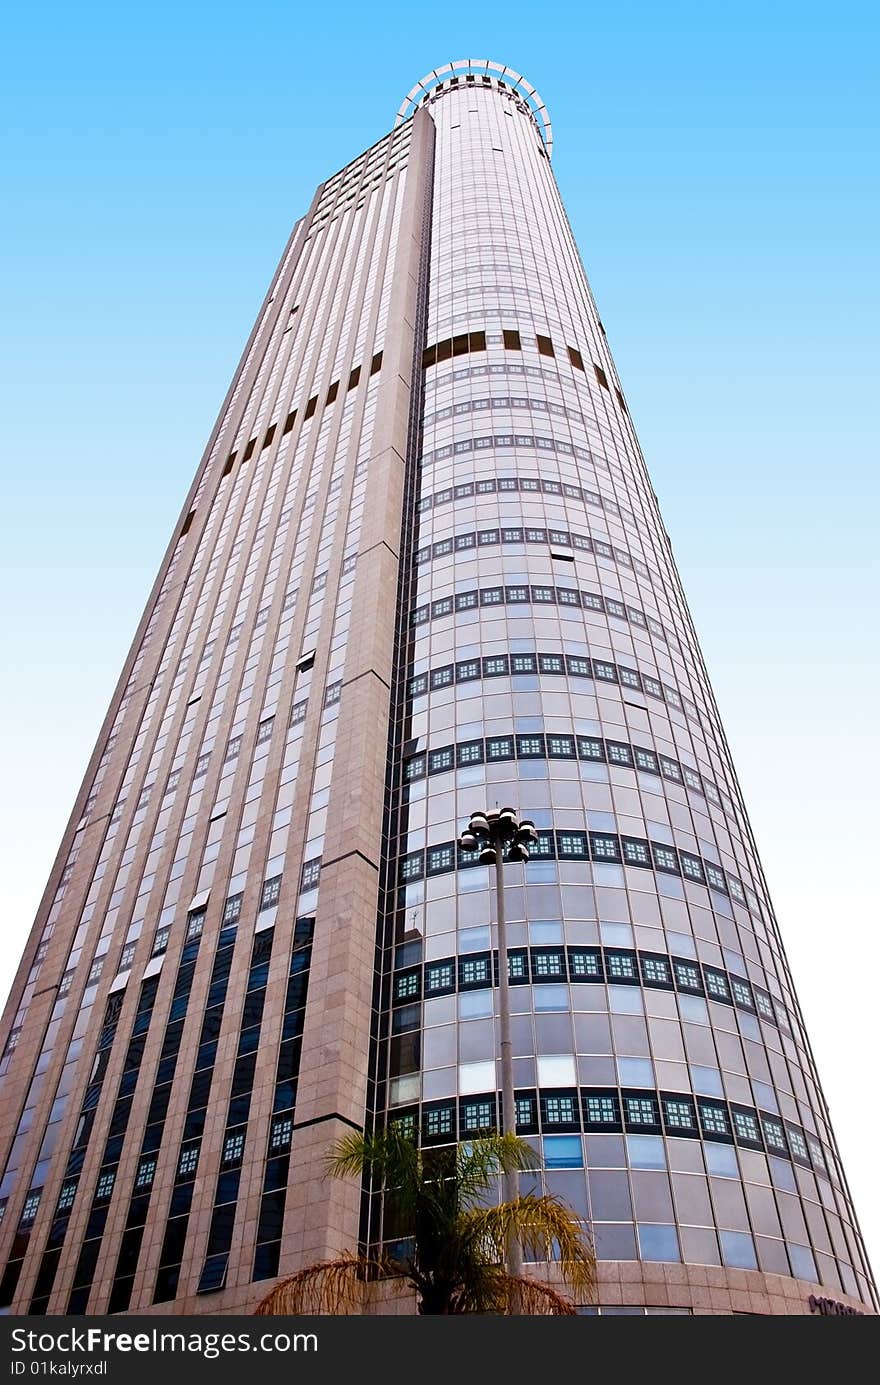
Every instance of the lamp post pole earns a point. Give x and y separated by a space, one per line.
499 834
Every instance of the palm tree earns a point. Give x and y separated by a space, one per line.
456 1242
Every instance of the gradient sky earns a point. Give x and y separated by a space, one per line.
719 169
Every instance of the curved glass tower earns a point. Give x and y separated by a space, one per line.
421 571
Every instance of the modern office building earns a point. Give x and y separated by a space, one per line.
421 570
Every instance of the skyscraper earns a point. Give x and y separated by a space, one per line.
421 570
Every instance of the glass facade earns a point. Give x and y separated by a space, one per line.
421 570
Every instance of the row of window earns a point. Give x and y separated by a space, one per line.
467 342
290 420
600 847
613 1110
499 401
554 665
538 594
615 965
531 485
535 745
495 442
554 539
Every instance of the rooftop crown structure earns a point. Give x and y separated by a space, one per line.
420 575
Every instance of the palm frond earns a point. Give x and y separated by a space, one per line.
479 1161
537 1300
333 1287
545 1228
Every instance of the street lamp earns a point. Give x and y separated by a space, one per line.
500 836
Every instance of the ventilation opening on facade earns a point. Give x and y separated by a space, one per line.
621 401
459 345
187 523
601 376
576 358
230 463
249 450
270 433
311 406
332 392
354 377
376 363
288 423
545 345
512 340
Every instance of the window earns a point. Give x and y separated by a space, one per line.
716 984
467 670
264 730
194 924
438 1121
601 376
311 873
31 1207
474 971
551 663
494 667
774 1135
742 994
546 964
415 768
687 976
713 1118
126 956
665 858
233 748
559 1110
499 748
477 1116
442 677
66 1197
618 754
95 971
590 748
604 847
646 760
640 1110
104 1189
201 766
282 1134
575 357
188 1160
298 713
635 851
470 753
679 1114
439 859
560 747
440 760
406 985
160 941
512 340
691 867
232 909
572 845
545 345
585 964
601 1110
439 977
621 966
233 1149
270 892
655 971
745 1125
529 747
412 866
523 663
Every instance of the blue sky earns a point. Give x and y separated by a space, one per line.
717 169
